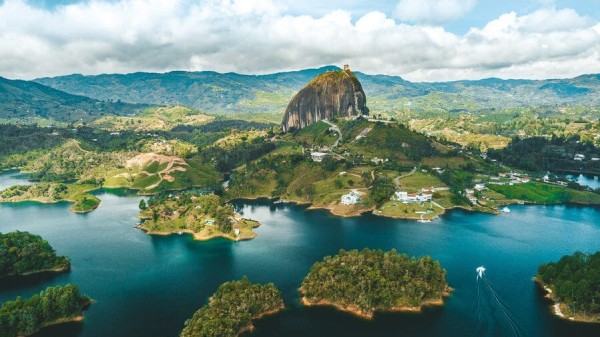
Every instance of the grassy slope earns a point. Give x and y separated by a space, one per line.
154 119
541 193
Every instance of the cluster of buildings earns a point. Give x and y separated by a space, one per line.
408 198
426 194
509 178
470 192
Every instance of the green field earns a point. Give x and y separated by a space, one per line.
542 193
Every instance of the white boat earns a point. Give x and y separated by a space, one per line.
505 209
424 220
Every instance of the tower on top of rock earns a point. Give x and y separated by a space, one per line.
346 67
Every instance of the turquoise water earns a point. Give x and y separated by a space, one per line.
148 286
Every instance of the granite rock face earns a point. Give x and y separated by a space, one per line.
331 94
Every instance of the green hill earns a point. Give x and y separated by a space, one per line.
22 100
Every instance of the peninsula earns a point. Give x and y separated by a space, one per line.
572 283
373 280
49 193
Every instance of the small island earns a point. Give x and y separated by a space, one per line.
55 305
232 308
573 283
204 216
22 253
373 280
50 193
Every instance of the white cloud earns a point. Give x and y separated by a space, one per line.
433 12
259 37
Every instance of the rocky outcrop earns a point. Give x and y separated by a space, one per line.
331 94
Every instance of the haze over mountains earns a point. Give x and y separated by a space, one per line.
26 99
233 93
78 97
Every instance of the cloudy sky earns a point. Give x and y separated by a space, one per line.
420 40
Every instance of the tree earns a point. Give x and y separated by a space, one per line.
143 205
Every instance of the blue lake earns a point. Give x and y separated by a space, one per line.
583 180
148 285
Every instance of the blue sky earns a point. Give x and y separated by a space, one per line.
421 40
483 12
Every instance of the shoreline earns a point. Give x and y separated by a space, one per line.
250 327
52 202
49 271
557 307
352 309
200 236
49 201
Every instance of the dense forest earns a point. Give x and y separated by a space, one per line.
231 309
575 281
52 306
22 253
549 154
373 280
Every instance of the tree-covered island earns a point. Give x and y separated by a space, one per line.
55 305
204 216
232 308
573 283
373 280
22 253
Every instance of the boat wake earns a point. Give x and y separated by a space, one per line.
493 316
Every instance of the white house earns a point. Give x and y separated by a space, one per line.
479 187
424 197
401 196
319 156
351 198
408 198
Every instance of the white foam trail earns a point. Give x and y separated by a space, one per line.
509 319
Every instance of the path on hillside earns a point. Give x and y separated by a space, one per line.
436 204
397 179
336 129
364 133
381 121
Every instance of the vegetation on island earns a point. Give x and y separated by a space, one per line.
232 308
23 253
373 280
204 216
52 306
574 282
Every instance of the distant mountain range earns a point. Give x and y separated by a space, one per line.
213 92
20 100
77 97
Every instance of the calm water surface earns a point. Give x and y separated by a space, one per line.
148 286
583 180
